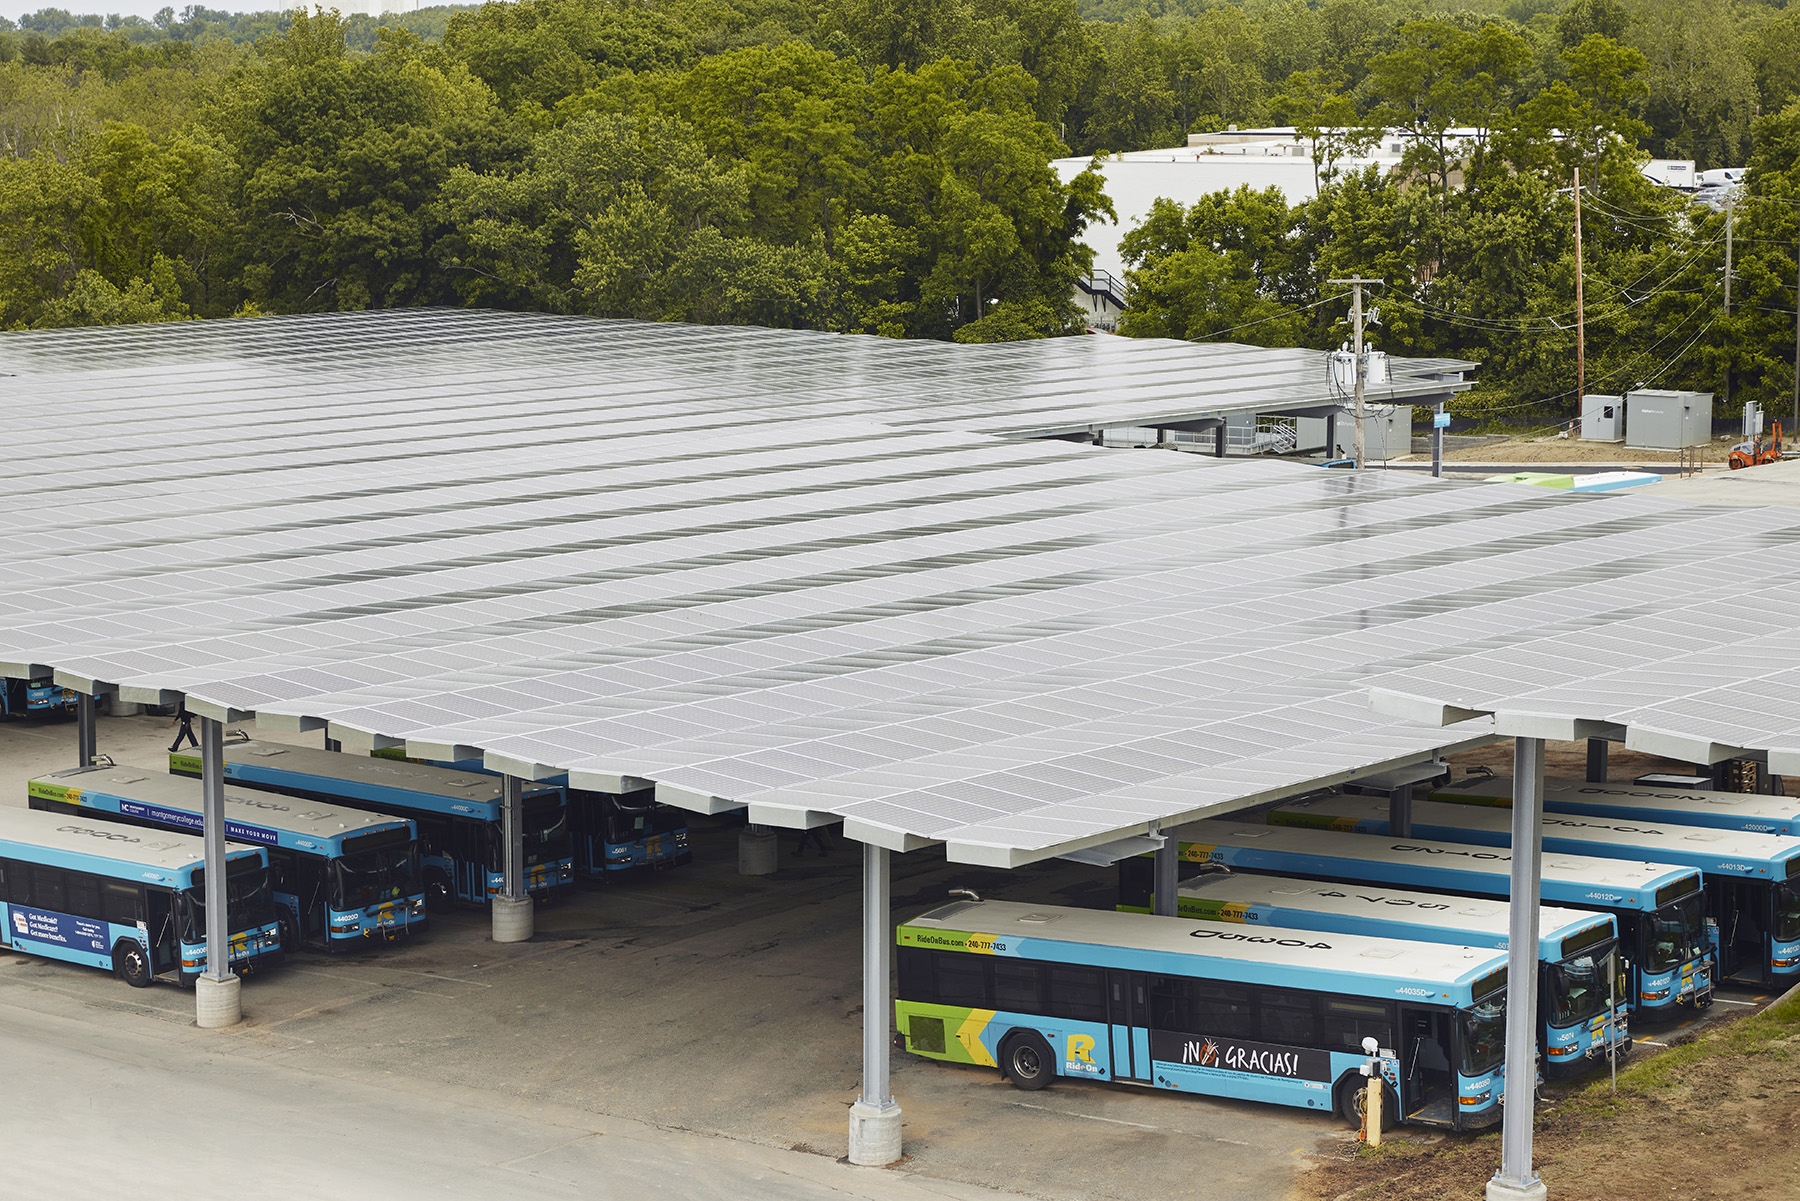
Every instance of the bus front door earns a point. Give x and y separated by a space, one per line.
1129 1014
1427 1073
159 923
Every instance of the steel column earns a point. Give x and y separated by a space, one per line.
512 806
1516 1179
1400 813
1219 441
86 744
1437 441
1596 764
212 816
1167 876
877 950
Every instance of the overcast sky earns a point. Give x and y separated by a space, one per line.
13 9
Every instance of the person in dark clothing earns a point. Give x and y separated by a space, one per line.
185 720
815 836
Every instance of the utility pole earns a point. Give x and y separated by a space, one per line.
1730 196
1795 424
1356 317
1580 314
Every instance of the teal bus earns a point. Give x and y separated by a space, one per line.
1581 986
1041 991
458 814
1659 908
341 878
1753 813
100 894
1752 907
612 831
19 698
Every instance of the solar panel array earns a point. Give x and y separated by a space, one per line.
790 571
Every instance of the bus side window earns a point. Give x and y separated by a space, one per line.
964 980
47 890
1076 993
84 894
1222 1009
1018 986
1346 1023
1288 1017
916 982
120 903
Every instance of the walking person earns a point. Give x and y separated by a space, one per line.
815 836
185 720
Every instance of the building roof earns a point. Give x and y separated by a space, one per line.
761 568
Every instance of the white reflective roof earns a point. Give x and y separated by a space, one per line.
748 567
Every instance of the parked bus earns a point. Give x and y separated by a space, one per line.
93 892
1752 906
1043 991
1746 811
461 842
19 698
1581 989
613 831
340 878
1659 908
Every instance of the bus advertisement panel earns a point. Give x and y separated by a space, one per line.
1755 922
461 840
341 878
1658 907
99 894
1274 1016
1582 995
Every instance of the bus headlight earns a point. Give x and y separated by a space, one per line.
1658 995
1480 1098
1556 1052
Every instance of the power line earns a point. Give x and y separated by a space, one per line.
1265 320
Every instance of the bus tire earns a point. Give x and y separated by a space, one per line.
131 964
1026 1061
439 896
289 929
1353 1102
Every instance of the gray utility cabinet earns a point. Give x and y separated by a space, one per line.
1659 420
1602 418
1387 432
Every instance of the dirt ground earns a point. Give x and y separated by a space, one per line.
1712 1118
1573 450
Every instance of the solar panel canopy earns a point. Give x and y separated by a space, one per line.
824 578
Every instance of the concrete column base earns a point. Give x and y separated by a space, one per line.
216 1003
757 852
874 1135
1505 1190
514 919
117 708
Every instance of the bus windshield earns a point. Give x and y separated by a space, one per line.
1483 1036
1787 912
1676 932
247 904
366 878
630 820
1578 985
547 836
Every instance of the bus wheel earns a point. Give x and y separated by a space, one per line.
1026 1061
1353 1102
131 964
438 895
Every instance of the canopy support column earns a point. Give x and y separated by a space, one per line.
216 1001
1516 1181
512 914
86 739
875 1118
1167 877
1400 811
1596 764
1219 441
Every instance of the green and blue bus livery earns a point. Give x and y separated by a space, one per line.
458 815
1753 813
1751 899
340 878
1274 1016
106 896
1659 908
1582 997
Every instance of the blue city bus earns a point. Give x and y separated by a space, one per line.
613 831
1659 908
21 697
1754 917
341 878
103 895
1581 989
461 842
1041 991
1750 812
